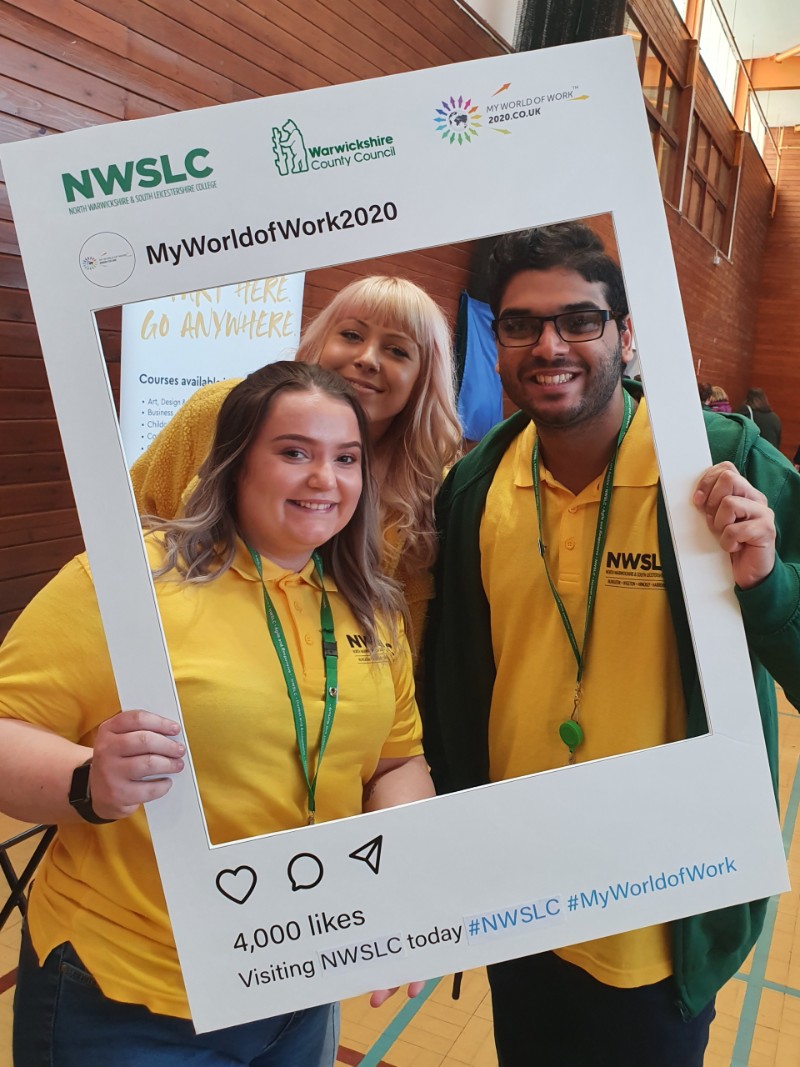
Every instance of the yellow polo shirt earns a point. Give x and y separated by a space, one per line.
165 475
99 885
632 693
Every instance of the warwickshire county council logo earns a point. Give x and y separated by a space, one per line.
289 148
457 120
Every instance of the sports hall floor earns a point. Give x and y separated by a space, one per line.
758 1012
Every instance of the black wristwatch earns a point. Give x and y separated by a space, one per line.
80 796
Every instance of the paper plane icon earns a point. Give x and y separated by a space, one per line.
370 853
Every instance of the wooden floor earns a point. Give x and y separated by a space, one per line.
758 1012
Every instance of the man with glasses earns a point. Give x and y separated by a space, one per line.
544 649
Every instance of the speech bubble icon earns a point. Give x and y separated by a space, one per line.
305 870
237 885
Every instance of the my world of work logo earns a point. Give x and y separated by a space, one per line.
149 172
107 259
291 155
458 121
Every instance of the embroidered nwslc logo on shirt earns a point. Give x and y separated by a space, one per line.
634 570
380 654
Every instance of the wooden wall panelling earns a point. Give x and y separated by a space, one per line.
713 112
35 557
18 591
11 272
387 39
46 110
18 436
17 372
15 306
458 36
292 38
112 50
8 238
150 20
67 64
5 207
402 33
300 36
42 497
19 339
14 129
33 467
237 31
20 529
38 70
95 32
663 23
82 25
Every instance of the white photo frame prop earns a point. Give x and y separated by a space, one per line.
135 210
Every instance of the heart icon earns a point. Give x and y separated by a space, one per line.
237 885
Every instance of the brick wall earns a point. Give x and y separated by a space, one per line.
776 347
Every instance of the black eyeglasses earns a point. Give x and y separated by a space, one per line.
518 331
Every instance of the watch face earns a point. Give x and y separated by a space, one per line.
79 789
79 796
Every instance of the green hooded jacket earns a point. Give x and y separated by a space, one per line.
707 949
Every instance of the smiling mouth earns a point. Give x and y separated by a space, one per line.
554 379
359 384
314 505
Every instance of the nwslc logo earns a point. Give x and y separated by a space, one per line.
289 148
457 120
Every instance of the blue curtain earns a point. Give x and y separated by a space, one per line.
480 400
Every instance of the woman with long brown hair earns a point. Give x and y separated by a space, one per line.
274 559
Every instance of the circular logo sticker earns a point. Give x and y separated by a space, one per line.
107 259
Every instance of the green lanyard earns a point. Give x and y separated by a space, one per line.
570 731
329 654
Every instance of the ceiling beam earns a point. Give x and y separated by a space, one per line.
779 58
768 73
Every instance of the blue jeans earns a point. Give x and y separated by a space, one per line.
61 1019
552 1013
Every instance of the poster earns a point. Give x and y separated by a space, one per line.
175 345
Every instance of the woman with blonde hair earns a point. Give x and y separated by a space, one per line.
718 400
391 342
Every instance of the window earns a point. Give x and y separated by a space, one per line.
662 94
709 178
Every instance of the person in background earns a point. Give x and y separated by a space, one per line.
704 389
391 342
718 401
281 530
757 408
513 644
